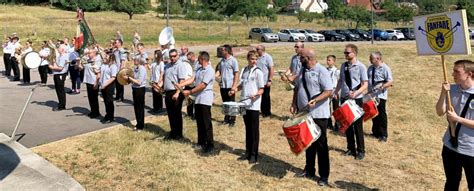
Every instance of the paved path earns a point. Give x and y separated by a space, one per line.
21 169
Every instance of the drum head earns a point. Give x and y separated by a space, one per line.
294 121
31 60
124 72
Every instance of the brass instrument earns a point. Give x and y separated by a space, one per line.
289 84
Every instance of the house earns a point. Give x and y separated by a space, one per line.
367 4
312 6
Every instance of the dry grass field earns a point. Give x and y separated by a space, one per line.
55 23
118 158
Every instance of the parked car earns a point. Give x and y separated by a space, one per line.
348 34
471 32
379 34
263 34
407 32
363 34
312 36
291 35
395 35
330 35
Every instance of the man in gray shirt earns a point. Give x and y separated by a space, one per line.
91 70
228 71
352 83
265 63
120 58
380 79
203 82
313 91
60 72
458 143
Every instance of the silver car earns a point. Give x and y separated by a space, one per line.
291 35
263 34
312 36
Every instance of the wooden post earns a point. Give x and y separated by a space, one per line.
449 106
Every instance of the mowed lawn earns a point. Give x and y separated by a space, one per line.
118 158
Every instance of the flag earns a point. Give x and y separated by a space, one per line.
84 36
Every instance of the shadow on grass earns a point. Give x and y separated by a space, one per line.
161 133
352 186
342 151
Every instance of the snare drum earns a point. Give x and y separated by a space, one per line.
231 108
301 132
31 60
370 109
348 113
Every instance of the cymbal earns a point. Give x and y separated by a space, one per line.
122 73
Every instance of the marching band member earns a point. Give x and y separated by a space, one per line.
91 71
60 72
157 70
43 68
252 85
138 91
25 70
458 152
108 73
7 52
228 71
120 58
334 73
203 81
141 54
295 64
15 47
265 63
175 73
313 90
352 83
183 56
379 72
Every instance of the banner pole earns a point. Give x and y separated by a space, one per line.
449 106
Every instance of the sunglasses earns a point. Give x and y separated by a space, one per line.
347 52
172 56
297 47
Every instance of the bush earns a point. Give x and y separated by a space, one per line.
86 5
204 16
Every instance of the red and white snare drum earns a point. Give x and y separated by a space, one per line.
301 132
347 114
370 109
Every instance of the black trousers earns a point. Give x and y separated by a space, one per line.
379 123
356 130
59 87
335 105
26 74
204 125
93 97
157 100
321 149
75 75
43 72
225 97
108 95
252 132
119 92
190 106
15 68
139 106
266 103
8 67
174 114
453 163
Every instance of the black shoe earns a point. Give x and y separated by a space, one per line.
349 153
197 146
383 139
360 156
253 160
208 149
244 157
93 115
375 136
305 174
178 138
168 137
58 108
323 182
106 121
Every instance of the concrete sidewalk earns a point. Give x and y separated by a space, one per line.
21 169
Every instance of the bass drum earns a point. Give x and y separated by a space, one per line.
31 60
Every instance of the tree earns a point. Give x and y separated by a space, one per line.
469 6
131 7
86 5
397 13
247 8
359 15
335 9
281 3
175 7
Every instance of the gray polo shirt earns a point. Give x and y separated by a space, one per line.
61 61
334 73
205 75
317 81
119 56
383 74
89 74
295 65
173 73
156 71
251 80
227 68
140 75
107 72
466 134
358 73
143 56
265 62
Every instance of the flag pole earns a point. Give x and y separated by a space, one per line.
449 106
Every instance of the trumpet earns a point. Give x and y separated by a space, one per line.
289 84
157 88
